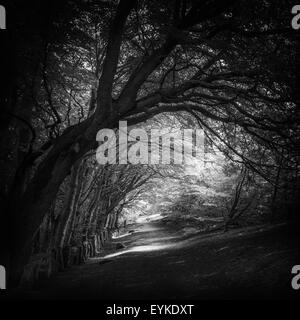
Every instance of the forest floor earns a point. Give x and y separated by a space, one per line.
161 261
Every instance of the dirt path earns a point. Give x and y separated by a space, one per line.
162 263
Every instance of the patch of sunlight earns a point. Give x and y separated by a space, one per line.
147 228
121 236
177 262
155 240
221 249
147 218
161 239
144 248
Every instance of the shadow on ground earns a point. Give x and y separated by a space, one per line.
159 262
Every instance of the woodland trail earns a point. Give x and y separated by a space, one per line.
160 262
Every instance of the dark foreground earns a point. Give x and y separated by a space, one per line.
162 263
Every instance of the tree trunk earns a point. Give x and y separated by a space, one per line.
28 211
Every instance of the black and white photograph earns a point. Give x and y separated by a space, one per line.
149 151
